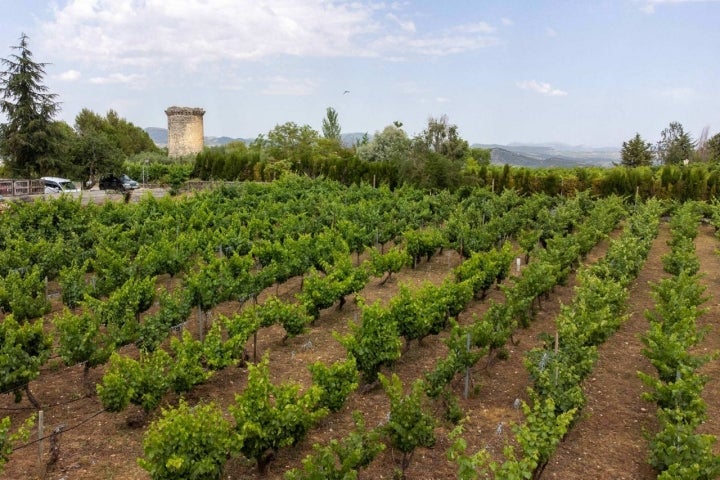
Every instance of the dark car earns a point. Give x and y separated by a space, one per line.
128 182
121 183
111 182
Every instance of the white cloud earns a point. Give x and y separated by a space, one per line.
507 22
288 86
398 5
550 32
117 78
69 76
678 94
541 87
196 31
231 81
478 27
188 34
407 26
412 88
648 6
457 39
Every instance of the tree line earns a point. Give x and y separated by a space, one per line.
32 144
675 147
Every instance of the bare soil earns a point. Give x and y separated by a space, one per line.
607 442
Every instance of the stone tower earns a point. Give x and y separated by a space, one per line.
185 131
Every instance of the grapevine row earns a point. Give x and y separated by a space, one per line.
676 450
116 276
491 332
405 300
106 323
558 368
218 278
416 315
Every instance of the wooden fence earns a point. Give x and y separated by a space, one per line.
16 188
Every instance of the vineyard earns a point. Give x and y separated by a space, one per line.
301 329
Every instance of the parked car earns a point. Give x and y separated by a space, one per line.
59 185
128 182
121 183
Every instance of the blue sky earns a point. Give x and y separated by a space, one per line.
579 72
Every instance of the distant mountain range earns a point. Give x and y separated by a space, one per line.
160 137
552 155
517 154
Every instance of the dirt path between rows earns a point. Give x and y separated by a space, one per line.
706 247
607 441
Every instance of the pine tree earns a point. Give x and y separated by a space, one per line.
27 140
636 152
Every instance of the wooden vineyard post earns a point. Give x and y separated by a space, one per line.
200 323
467 371
255 330
41 432
557 349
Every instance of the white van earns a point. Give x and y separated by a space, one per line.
59 185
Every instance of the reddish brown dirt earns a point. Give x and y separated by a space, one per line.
706 246
607 442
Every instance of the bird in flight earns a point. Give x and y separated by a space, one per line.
346 91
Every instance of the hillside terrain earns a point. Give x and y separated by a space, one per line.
516 154
607 441
552 155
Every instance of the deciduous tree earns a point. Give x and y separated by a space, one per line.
331 125
104 143
391 145
712 147
123 135
438 155
95 154
443 138
675 145
290 141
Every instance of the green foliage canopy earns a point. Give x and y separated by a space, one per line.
712 147
331 125
636 152
675 145
104 143
28 139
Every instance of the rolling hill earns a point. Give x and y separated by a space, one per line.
517 154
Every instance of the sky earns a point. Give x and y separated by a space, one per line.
590 73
